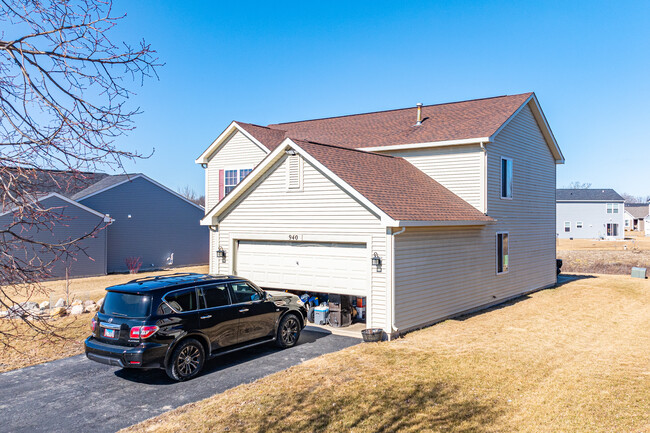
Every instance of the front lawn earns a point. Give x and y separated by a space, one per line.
571 359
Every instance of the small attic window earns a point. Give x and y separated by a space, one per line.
294 172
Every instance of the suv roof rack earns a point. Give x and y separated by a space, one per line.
157 277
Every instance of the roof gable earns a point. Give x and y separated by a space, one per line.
389 186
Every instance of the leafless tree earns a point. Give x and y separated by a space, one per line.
64 100
629 198
189 193
579 185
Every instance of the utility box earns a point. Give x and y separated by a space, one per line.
639 273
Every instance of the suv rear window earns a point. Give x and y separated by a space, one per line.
126 304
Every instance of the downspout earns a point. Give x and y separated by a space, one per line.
393 328
484 177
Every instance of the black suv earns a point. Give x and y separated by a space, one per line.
178 321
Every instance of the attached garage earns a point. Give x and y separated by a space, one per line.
327 267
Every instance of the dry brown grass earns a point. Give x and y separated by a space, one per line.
571 359
603 261
66 339
633 241
93 287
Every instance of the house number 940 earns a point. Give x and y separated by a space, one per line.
293 237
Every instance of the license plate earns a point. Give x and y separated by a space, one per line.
110 333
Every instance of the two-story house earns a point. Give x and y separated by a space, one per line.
590 214
427 212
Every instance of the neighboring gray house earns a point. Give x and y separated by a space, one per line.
589 214
140 218
151 222
635 215
72 221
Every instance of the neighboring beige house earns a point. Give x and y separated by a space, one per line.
427 212
635 216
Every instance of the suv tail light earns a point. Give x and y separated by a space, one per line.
143 331
93 324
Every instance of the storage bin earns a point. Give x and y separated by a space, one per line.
321 314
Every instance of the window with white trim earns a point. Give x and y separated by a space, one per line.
567 226
232 177
612 207
502 253
579 224
506 177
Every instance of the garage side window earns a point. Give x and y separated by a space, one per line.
502 253
214 296
243 292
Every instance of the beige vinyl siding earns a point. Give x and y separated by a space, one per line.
237 152
457 168
440 272
320 209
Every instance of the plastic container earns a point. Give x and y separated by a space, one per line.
361 313
372 335
321 314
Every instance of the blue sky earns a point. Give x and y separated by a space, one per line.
267 62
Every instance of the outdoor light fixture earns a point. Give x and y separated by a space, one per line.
221 254
213 228
204 165
376 261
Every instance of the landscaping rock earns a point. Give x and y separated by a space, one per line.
88 303
22 309
91 308
58 312
44 305
77 302
60 303
77 309
100 302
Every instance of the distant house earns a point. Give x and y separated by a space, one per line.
140 218
635 215
589 214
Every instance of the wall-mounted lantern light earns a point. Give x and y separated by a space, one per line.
376 261
204 165
213 228
221 254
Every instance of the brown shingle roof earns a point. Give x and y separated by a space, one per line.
453 121
394 185
271 138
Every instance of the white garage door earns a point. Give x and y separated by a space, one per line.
318 267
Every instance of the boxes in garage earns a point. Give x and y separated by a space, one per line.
339 318
321 314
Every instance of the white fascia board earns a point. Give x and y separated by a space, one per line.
106 218
441 223
425 145
268 162
203 159
541 121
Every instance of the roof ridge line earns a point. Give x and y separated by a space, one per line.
345 148
398 109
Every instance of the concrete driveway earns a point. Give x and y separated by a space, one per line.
78 395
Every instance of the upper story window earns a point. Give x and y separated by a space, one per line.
612 207
232 177
506 177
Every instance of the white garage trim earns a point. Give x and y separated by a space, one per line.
314 238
